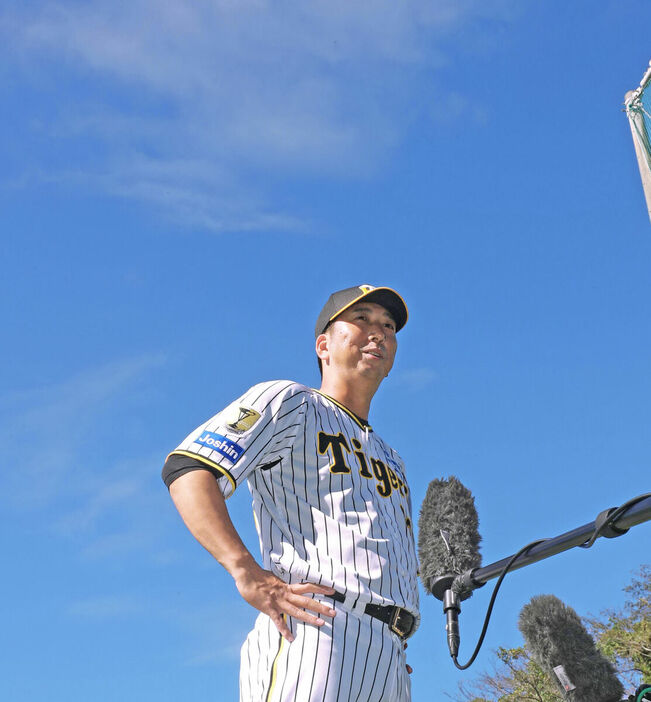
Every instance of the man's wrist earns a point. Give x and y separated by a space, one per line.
243 567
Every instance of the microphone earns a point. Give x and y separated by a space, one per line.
448 546
450 562
563 648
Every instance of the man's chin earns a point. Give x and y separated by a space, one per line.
376 371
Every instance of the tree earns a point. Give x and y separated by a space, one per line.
517 678
623 636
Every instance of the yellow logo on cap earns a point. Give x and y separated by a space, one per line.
366 288
242 419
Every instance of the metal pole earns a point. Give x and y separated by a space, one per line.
638 513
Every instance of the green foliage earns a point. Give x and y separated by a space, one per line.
623 636
517 679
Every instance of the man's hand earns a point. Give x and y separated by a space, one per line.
275 598
203 509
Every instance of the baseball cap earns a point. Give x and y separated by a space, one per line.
343 299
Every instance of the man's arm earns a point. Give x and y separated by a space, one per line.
203 509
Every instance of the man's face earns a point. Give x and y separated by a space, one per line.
361 340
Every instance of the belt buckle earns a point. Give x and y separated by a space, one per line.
395 625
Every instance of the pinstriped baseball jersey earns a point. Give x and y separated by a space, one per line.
330 497
351 658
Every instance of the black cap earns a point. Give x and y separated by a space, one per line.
343 299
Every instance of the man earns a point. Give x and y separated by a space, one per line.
337 590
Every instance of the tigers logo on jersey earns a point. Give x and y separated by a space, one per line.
241 419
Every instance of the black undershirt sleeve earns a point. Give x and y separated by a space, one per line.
177 465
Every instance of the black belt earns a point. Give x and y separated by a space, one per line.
399 620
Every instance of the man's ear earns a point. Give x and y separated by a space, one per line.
321 344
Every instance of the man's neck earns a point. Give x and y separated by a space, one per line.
357 398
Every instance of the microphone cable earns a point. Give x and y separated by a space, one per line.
604 526
491 604
604 523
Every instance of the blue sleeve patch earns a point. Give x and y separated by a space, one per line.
228 449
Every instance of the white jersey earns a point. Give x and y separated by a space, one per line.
330 497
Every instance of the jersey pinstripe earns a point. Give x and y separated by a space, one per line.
352 658
330 497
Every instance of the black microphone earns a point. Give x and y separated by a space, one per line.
563 648
448 545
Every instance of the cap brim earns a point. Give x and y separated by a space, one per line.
388 298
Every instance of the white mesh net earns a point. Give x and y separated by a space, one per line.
638 109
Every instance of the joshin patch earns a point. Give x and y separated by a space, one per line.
229 449
240 419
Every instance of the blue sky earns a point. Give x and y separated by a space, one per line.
183 184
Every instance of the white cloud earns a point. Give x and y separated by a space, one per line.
190 99
202 638
100 494
417 378
47 433
66 446
104 607
210 642
195 193
117 545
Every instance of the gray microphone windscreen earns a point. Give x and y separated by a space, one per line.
448 531
556 637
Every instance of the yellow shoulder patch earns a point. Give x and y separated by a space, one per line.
240 419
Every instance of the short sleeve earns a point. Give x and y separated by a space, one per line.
255 430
